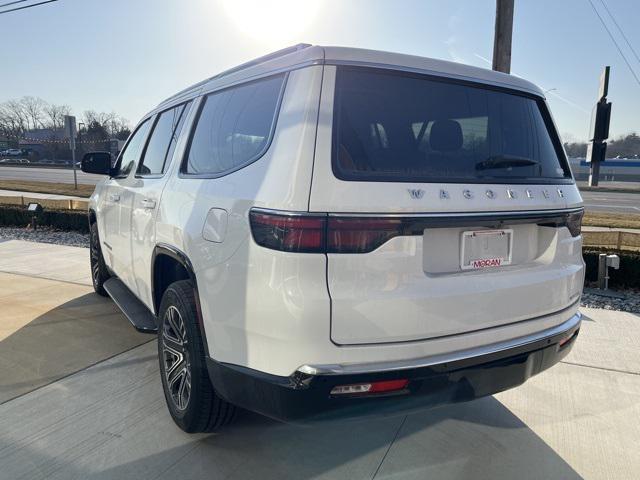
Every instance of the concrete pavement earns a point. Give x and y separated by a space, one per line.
109 421
43 260
51 322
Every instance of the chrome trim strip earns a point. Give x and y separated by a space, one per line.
509 213
338 369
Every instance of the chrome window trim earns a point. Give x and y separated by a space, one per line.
345 369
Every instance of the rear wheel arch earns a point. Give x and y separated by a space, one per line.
170 265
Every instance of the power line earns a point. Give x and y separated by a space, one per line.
620 30
615 43
12 3
26 6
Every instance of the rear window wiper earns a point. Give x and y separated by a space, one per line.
505 161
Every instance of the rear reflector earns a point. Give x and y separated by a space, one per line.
566 340
370 388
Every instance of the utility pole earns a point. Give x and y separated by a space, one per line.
71 131
502 36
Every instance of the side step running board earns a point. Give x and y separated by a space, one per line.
137 313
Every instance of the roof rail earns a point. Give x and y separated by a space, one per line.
264 58
251 63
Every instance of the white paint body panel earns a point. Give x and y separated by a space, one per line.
275 311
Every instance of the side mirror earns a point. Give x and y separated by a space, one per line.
96 162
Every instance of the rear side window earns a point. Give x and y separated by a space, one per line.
234 127
394 126
132 150
162 141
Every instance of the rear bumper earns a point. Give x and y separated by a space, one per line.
305 395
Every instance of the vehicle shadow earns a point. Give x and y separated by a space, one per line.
480 440
66 339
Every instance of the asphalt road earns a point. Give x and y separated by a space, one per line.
612 202
56 175
594 201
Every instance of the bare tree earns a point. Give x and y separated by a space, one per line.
112 124
13 119
55 115
34 110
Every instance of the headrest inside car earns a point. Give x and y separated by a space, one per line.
446 136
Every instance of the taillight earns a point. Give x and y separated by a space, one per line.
574 223
360 235
289 233
313 233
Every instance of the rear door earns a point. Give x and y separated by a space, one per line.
447 207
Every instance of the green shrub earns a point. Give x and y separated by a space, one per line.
17 216
628 276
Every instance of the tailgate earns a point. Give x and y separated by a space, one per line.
425 286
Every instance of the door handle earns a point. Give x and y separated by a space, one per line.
114 197
148 203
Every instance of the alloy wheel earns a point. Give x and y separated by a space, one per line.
95 258
175 355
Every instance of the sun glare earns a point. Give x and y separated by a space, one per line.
274 22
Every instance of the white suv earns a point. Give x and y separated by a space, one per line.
330 231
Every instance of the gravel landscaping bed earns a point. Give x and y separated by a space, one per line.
45 235
620 300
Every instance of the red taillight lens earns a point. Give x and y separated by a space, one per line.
360 235
289 233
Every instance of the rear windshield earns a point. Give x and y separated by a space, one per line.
393 126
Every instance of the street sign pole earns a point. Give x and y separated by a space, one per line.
70 130
597 149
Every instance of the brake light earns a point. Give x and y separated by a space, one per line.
574 223
313 233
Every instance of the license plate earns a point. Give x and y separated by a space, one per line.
486 249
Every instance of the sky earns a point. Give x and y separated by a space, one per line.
125 56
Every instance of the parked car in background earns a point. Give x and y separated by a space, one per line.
329 232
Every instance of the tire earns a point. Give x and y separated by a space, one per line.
99 272
190 396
